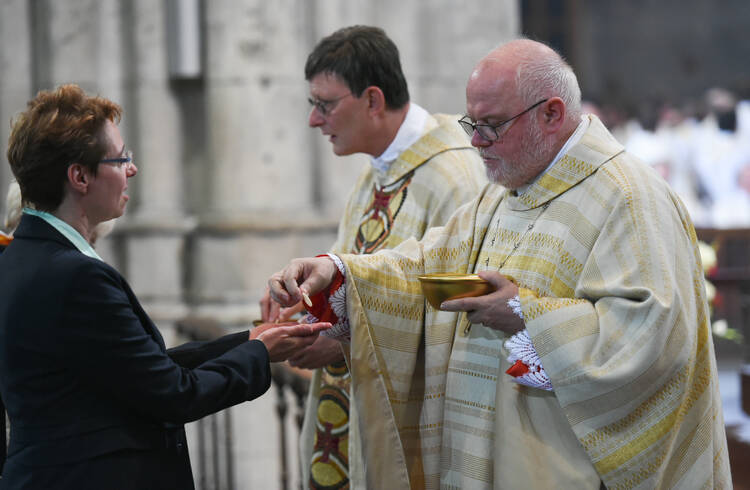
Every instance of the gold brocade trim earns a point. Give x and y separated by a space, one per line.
377 221
329 466
658 430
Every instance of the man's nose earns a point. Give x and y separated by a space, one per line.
478 141
315 118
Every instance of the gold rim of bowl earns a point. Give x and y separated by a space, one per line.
450 277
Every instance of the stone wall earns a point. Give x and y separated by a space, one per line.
231 183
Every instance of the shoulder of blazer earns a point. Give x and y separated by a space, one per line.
35 228
62 256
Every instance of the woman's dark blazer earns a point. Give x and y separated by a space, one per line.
93 397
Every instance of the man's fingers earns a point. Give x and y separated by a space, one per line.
318 274
308 340
304 359
495 278
463 304
278 291
291 287
301 275
295 275
473 317
269 309
273 313
320 326
286 313
296 358
306 329
264 305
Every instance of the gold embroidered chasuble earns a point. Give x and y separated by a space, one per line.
612 292
421 189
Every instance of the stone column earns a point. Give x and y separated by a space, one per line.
153 231
452 39
264 184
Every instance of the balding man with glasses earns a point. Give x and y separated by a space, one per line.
590 365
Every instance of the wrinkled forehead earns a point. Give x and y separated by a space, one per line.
491 90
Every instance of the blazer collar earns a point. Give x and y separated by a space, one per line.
35 228
596 147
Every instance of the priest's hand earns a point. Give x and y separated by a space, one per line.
491 310
322 352
308 276
271 312
284 340
269 309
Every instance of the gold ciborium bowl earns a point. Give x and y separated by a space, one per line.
442 287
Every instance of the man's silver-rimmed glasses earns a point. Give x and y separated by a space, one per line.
489 131
324 107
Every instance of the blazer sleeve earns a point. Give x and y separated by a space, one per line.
193 354
103 339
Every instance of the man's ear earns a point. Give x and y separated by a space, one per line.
79 177
375 99
552 114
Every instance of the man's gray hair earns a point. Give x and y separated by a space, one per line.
549 76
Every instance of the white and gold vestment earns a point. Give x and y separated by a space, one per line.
611 288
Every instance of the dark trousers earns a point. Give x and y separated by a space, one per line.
165 468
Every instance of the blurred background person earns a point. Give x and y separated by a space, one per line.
12 214
732 208
667 146
14 210
718 150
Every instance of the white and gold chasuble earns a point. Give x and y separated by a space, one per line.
612 293
422 188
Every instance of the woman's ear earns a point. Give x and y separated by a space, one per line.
79 177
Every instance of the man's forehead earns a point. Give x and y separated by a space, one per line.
490 111
490 91
490 104
326 82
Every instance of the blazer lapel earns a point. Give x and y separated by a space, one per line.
148 325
